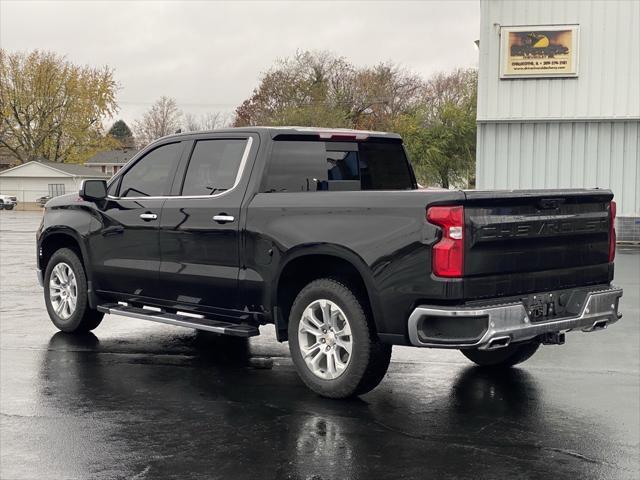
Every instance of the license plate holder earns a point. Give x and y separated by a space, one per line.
542 307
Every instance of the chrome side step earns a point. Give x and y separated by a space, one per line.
189 321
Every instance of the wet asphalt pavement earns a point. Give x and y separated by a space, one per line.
141 400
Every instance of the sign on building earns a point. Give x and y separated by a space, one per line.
539 51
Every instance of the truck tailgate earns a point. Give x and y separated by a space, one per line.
527 241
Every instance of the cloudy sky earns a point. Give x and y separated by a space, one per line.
209 54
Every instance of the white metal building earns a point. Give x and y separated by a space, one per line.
579 128
33 180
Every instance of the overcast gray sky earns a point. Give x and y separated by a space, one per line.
209 54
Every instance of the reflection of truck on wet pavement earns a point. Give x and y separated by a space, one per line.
325 234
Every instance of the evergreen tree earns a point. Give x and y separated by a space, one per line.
122 133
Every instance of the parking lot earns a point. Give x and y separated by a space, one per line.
142 400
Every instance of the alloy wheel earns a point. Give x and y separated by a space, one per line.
63 290
325 339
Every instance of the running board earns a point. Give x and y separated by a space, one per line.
208 324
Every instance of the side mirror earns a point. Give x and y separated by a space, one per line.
93 190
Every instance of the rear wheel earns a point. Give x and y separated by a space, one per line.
503 357
332 343
65 294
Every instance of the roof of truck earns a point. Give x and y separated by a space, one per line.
322 133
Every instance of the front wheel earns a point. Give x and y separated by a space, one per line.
332 342
8 207
502 357
65 294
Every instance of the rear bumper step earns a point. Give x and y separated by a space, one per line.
497 326
189 321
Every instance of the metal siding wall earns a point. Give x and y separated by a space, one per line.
631 165
608 62
558 133
563 155
590 155
513 147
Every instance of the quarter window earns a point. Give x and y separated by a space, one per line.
151 176
213 166
384 166
112 191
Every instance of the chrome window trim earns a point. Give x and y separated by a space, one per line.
241 168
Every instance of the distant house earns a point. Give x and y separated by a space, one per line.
111 161
36 179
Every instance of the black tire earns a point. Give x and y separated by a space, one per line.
503 357
369 359
8 207
83 317
1 205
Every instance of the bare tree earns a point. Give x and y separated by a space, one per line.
450 88
210 121
191 123
163 118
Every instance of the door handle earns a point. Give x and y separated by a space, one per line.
148 216
223 218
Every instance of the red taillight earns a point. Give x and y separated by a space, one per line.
447 255
612 231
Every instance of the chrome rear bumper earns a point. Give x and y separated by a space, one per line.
510 323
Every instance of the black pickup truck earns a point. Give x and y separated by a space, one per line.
325 234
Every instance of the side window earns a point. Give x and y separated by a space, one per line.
303 166
343 166
384 166
213 166
296 166
152 174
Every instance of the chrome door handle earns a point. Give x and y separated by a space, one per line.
223 218
148 216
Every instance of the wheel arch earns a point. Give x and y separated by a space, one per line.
54 239
307 263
